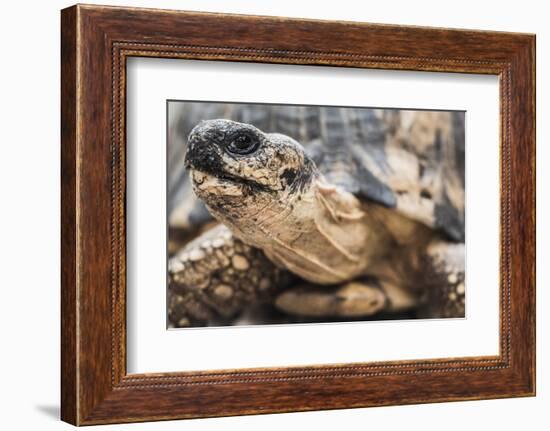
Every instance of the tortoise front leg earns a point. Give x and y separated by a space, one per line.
363 297
216 276
444 276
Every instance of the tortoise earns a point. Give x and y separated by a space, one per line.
322 212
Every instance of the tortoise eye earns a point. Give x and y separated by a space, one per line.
243 144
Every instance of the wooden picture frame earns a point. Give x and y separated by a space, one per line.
96 41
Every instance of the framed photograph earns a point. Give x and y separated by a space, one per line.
264 214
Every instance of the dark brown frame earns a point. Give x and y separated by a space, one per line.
95 43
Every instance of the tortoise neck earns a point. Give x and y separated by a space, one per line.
324 235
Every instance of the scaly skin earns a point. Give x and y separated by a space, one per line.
216 276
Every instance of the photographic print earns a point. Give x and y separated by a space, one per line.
282 214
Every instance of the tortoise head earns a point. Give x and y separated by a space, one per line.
236 169
271 195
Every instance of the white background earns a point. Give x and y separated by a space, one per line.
29 228
153 349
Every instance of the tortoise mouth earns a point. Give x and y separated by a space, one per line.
202 178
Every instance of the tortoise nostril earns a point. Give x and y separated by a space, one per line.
425 194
